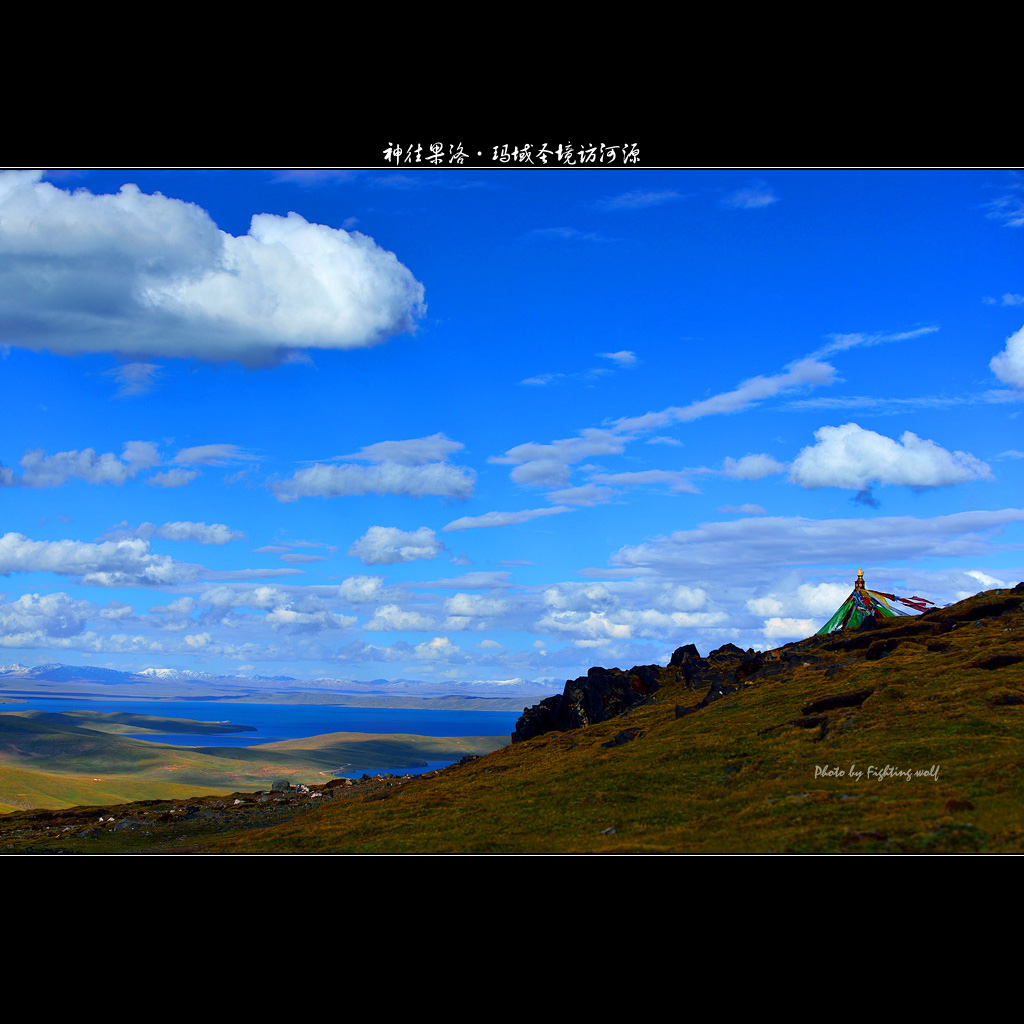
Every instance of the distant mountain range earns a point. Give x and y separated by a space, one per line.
186 683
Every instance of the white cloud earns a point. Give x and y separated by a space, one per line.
547 465
135 378
212 455
743 510
765 605
415 451
857 339
386 545
1009 208
291 620
790 629
149 275
1008 365
852 457
626 623
564 234
804 373
586 495
438 649
42 470
413 468
623 357
49 615
361 589
437 478
752 467
754 196
988 582
734 550
173 478
112 563
677 480
200 533
390 618
475 605
817 599
117 611
639 199
489 519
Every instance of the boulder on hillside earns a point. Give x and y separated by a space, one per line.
601 694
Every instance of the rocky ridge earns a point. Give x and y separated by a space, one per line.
605 693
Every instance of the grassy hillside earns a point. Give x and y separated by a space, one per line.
61 760
938 700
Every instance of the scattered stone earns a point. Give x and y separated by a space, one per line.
683 654
601 694
852 699
128 823
997 661
626 736
953 804
1006 698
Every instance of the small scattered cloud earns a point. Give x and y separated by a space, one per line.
199 533
42 470
1008 365
640 199
414 468
677 480
390 618
756 195
548 465
1008 299
1009 207
386 545
752 467
416 451
563 235
586 495
743 510
173 478
135 378
858 339
490 519
212 455
801 374
623 357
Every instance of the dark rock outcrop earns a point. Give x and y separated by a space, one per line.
601 694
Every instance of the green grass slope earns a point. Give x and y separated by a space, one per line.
908 738
767 768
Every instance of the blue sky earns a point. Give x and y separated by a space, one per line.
491 426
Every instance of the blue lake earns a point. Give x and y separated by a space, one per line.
287 721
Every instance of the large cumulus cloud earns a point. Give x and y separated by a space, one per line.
1008 365
147 275
852 457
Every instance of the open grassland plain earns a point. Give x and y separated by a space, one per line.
904 738
52 761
